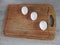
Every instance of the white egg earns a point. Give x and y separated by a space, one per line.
24 10
33 16
43 25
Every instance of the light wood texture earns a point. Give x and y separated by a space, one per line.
18 25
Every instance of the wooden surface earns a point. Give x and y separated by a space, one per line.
18 25
21 41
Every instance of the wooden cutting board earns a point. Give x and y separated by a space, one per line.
21 26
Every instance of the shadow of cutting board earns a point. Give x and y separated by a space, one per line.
18 25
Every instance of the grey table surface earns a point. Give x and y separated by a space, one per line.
21 41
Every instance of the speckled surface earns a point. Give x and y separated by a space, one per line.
20 41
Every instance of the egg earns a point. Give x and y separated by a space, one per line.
24 10
43 25
33 16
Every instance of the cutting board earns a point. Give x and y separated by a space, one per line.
21 26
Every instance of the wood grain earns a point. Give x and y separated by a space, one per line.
18 25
